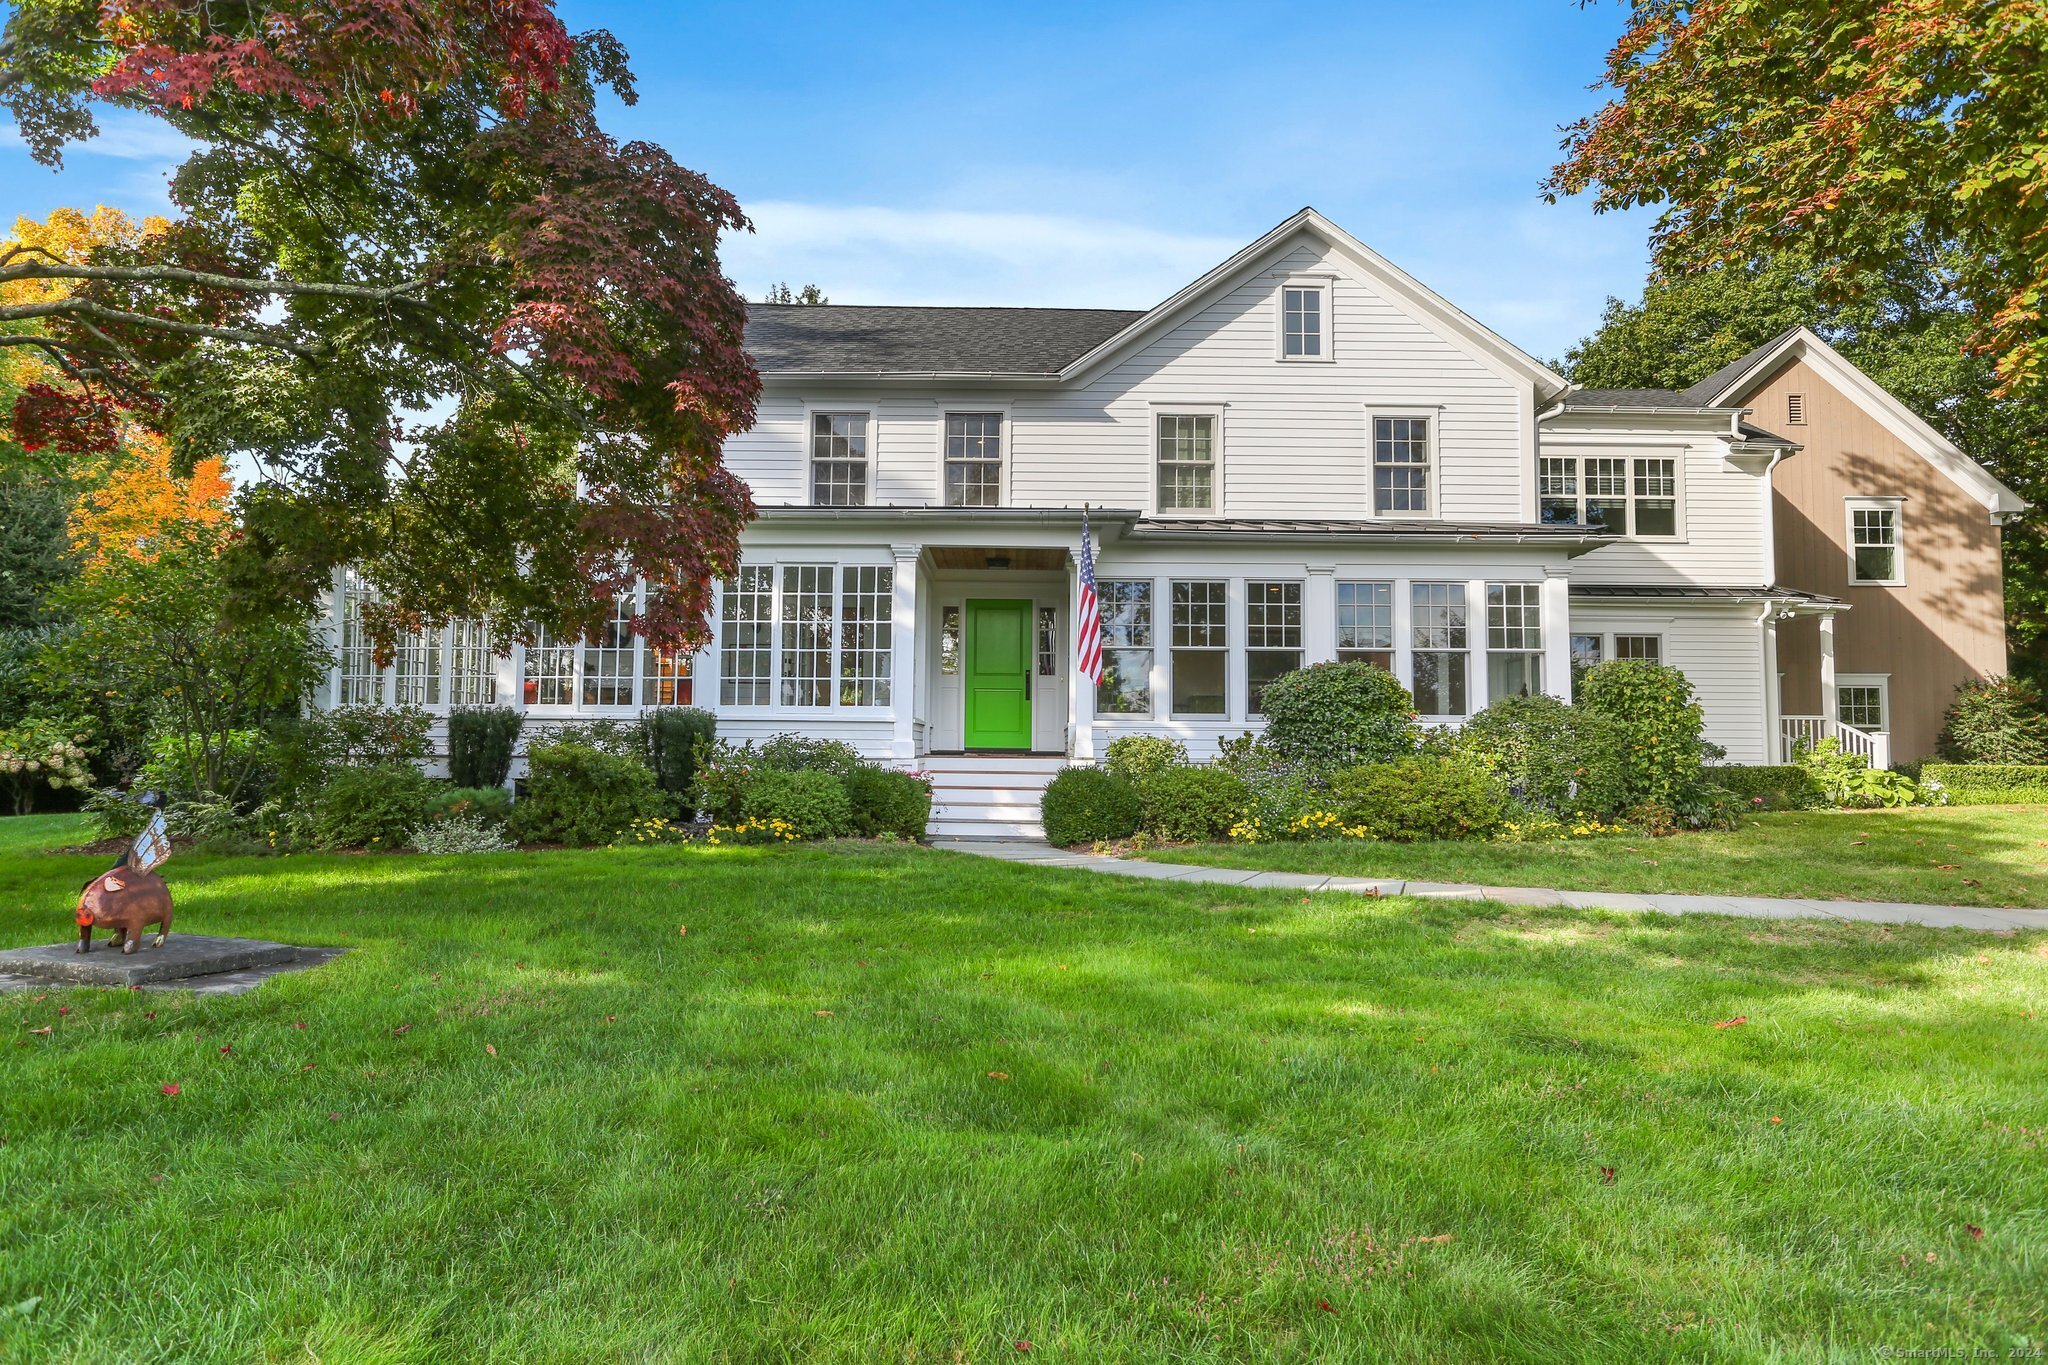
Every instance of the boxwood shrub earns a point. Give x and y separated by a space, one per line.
1136 757
888 802
480 744
1190 804
1333 715
679 739
1558 758
1662 725
1435 796
1783 786
574 794
1082 805
1989 784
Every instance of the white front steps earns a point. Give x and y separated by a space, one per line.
988 796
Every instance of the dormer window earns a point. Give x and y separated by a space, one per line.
1304 322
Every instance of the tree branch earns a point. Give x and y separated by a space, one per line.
80 309
153 274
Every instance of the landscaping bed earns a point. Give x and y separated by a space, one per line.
885 1102
1939 856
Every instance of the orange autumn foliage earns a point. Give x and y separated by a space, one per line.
72 235
141 505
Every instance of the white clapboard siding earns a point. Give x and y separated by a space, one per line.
1719 649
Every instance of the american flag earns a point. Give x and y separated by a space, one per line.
1088 638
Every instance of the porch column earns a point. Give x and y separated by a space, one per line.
1080 692
1828 698
1319 615
904 644
1774 689
1557 633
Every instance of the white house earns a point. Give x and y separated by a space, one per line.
1304 455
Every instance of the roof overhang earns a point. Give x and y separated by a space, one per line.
1802 344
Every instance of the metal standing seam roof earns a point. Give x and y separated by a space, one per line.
828 338
1704 594
1286 526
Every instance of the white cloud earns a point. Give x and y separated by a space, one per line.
123 136
862 254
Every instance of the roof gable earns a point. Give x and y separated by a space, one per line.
1400 289
1735 383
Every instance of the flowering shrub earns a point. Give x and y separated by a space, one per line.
1307 826
814 802
1425 797
753 832
575 794
1555 757
1539 827
37 754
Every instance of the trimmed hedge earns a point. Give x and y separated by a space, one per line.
814 802
888 802
1334 715
480 744
580 796
1420 798
1082 805
679 739
1989 784
1783 786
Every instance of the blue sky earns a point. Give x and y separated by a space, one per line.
1093 154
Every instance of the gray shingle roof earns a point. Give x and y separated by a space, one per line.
1628 398
832 338
1709 388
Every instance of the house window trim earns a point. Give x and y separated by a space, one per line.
1678 520
868 408
1434 414
1475 644
1154 662
1217 441
1881 681
1897 507
777 709
1299 649
576 706
1325 287
1006 436
1231 649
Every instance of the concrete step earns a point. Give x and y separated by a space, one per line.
984 829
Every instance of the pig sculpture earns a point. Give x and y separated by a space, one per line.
124 899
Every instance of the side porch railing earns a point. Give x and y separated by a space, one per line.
1795 732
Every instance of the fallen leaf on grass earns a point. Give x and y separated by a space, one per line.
823 1014
610 1018
1023 1346
44 1029
1971 881
1976 1233
1324 1304
226 1048
63 1009
1607 1175
308 1066
1948 867
169 1087
401 1030
682 930
1776 1119
1737 1022
491 1048
1854 842
999 1075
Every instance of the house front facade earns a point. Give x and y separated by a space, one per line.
1304 455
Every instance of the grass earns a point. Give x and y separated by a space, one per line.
1978 855
890 1103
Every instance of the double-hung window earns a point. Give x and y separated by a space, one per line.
1304 322
1622 495
1587 654
1860 701
807 635
1272 636
1201 654
1186 444
839 459
974 459
362 682
1126 609
1401 461
1365 623
1441 648
550 671
472 668
1874 550
1514 640
608 658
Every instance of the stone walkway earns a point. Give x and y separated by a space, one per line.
1754 907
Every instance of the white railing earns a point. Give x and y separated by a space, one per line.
1797 732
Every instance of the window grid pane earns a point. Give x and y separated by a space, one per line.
806 635
1874 533
1272 615
1400 458
1200 660
866 615
608 658
1365 616
550 671
1861 706
1187 462
839 459
1048 642
1514 616
974 459
1438 634
1650 647
746 638
1126 609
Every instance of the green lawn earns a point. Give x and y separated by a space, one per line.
1977 855
895 1104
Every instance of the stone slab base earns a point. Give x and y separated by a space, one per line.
182 957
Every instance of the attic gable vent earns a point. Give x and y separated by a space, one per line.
1795 409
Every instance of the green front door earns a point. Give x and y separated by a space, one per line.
999 675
